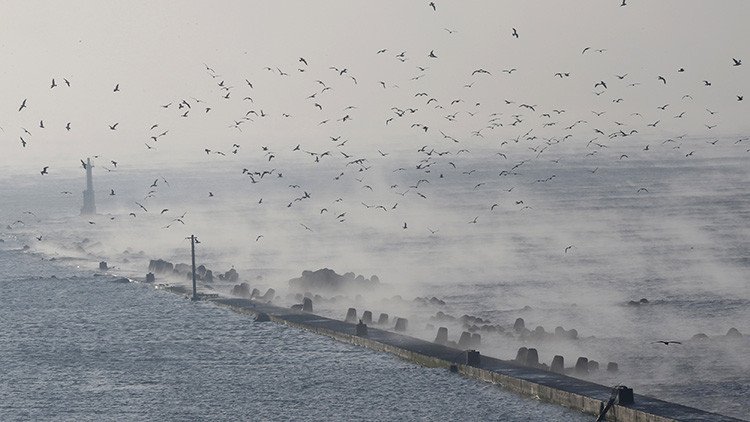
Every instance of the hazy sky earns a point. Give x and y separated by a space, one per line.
156 52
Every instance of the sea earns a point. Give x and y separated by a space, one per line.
564 242
76 346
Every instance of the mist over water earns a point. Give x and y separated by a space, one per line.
685 250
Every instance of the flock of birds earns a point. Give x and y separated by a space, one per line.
433 121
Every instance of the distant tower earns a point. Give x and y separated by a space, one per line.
89 207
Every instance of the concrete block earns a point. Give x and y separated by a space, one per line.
367 317
465 341
442 336
351 316
307 305
532 358
383 319
476 340
521 355
582 366
401 324
558 364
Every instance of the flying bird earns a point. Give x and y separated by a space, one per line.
23 105
44 170
515 33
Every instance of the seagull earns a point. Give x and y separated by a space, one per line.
432 54
667 343
258 238
23 105
114 126
111 192
432 5
567 248
737 62
44 170
515 33
117 88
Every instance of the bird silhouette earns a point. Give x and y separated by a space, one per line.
515 33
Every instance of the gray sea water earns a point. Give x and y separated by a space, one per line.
82 348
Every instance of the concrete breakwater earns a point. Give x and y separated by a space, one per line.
544 385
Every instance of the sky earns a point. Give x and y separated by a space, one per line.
158 52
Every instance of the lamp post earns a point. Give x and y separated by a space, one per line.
193 241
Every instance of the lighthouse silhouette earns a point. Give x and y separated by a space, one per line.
89 207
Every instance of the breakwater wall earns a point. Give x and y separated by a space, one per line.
544 385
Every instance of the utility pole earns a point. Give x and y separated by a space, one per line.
193 240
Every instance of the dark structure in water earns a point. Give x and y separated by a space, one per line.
89 207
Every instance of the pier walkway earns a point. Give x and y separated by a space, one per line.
544 385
